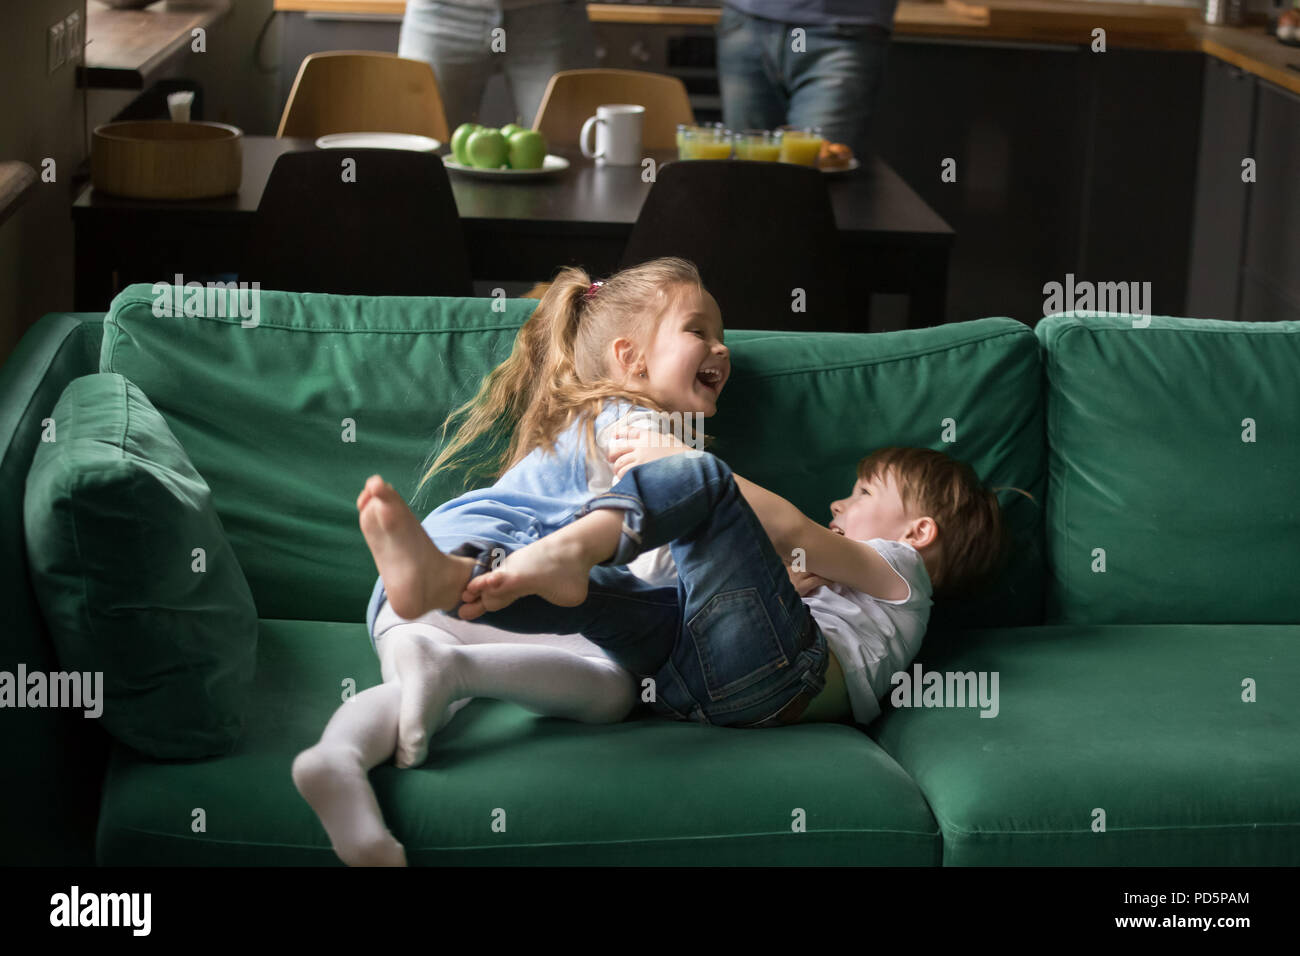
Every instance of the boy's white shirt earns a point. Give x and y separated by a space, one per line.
873 638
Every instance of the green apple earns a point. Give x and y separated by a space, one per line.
458 139
510 129
487 149
527 149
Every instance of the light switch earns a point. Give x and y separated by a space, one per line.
72 37
54 53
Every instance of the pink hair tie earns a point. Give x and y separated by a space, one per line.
591 289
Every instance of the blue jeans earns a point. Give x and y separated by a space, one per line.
456 41
733 643
833 83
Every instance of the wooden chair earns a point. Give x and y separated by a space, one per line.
359 91
573 95
756 232
394 231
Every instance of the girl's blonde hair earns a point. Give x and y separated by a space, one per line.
558 370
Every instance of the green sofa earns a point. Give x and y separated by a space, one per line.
1143 634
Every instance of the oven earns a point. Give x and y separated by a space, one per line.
686 51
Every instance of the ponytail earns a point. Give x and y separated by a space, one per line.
510 389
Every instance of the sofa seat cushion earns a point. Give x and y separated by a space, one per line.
642 792
1144 722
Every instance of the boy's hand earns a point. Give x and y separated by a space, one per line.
630 447
805 582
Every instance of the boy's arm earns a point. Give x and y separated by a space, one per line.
830 555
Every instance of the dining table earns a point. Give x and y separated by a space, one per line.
517 230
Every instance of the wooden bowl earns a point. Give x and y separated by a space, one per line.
162 159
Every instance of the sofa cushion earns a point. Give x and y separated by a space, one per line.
136 579
287 418
1175 451
801 410
699 795
1150 724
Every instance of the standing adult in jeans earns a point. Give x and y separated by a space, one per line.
833 83
542 37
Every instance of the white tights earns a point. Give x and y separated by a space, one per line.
432 666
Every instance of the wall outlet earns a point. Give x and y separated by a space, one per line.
54 49
72 37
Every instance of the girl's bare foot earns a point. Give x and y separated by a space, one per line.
417 577
555 568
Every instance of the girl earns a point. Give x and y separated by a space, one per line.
643 349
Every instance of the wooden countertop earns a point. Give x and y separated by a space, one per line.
125 47
16 182
1127 25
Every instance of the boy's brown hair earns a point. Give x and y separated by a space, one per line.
973 542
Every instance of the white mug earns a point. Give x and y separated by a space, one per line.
618 134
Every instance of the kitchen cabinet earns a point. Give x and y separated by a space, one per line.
1219 215
1270 265
1068 162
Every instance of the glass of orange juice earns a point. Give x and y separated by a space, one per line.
801 145
701 142
714 143
758 144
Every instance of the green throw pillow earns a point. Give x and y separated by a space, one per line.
135 576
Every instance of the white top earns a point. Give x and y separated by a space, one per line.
872 638
655 567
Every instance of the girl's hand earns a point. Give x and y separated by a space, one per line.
805 582
630 447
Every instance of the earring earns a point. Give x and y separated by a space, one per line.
642 372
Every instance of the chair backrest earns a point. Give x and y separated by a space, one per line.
757 232
354 91
393 231
573 95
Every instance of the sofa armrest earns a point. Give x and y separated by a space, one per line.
51 761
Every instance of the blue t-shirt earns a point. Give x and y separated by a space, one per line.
821 12
538 495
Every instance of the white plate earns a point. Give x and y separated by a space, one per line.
550 165
420 144
841 170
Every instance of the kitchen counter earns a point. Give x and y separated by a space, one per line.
126 48
1127 25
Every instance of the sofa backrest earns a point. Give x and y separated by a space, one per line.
801 410
286 419
1174 489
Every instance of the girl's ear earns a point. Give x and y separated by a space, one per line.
626 356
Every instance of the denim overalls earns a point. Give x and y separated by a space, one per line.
731 644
